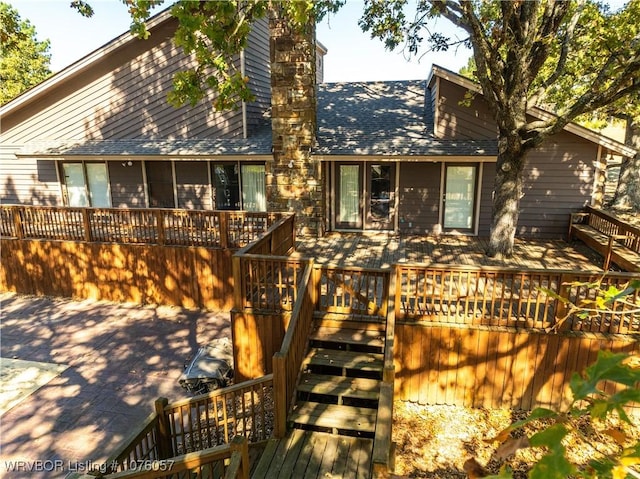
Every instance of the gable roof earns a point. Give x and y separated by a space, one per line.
384 119
537 112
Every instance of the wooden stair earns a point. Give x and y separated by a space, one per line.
339 386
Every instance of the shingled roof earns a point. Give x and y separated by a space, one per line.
384 118
257 145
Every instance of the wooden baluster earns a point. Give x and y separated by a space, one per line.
160 234
17 222
88 237
223 222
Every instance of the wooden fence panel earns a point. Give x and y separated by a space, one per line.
189 277
494 367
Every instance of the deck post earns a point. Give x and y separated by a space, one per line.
160 227
563 292
88 237
164 437
279 395
224 229
239 446
238 287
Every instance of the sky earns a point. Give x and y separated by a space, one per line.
352 55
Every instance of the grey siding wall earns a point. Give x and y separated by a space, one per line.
462 122
127 185
123 96
486 191
419 197
558 180
28 181
192 183
258 69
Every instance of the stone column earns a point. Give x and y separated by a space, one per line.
294 180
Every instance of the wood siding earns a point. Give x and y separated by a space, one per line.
493 367
419 197
486 194
455 121
28 181
258 69
122 96
558 180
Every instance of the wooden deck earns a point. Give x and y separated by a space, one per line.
383 250
309 455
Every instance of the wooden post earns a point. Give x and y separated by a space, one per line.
607 256
160 227
240 448
238 288
279 395
17 221
224 229
563 292
164 437
88 236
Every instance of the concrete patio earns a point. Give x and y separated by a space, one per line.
119 358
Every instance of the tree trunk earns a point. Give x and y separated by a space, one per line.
628 190
506 196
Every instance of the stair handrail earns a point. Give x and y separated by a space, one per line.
382 456
287 361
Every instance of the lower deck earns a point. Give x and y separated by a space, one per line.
310 455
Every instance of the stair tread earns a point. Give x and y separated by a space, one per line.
352 336
359 388
345 359
333 416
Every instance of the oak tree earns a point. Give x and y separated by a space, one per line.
24 60
524 51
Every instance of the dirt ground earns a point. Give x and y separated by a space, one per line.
435 441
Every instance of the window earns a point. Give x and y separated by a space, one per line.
87 184
239 186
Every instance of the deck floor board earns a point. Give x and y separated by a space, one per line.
318 455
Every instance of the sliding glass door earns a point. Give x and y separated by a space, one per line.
365 196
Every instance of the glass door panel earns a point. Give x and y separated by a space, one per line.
381 196
227 184
76 187
98 185
160 184
349 213
459 198
254 197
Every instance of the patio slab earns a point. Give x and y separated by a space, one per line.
119 358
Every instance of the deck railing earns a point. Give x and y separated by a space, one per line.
624 232
228 461
353 290
265 278
182 430
287 361
173 227
502 297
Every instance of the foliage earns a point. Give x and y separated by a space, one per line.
24 61
619 374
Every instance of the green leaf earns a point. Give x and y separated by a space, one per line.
553 466
550 437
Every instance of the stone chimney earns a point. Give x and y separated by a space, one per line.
294 180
